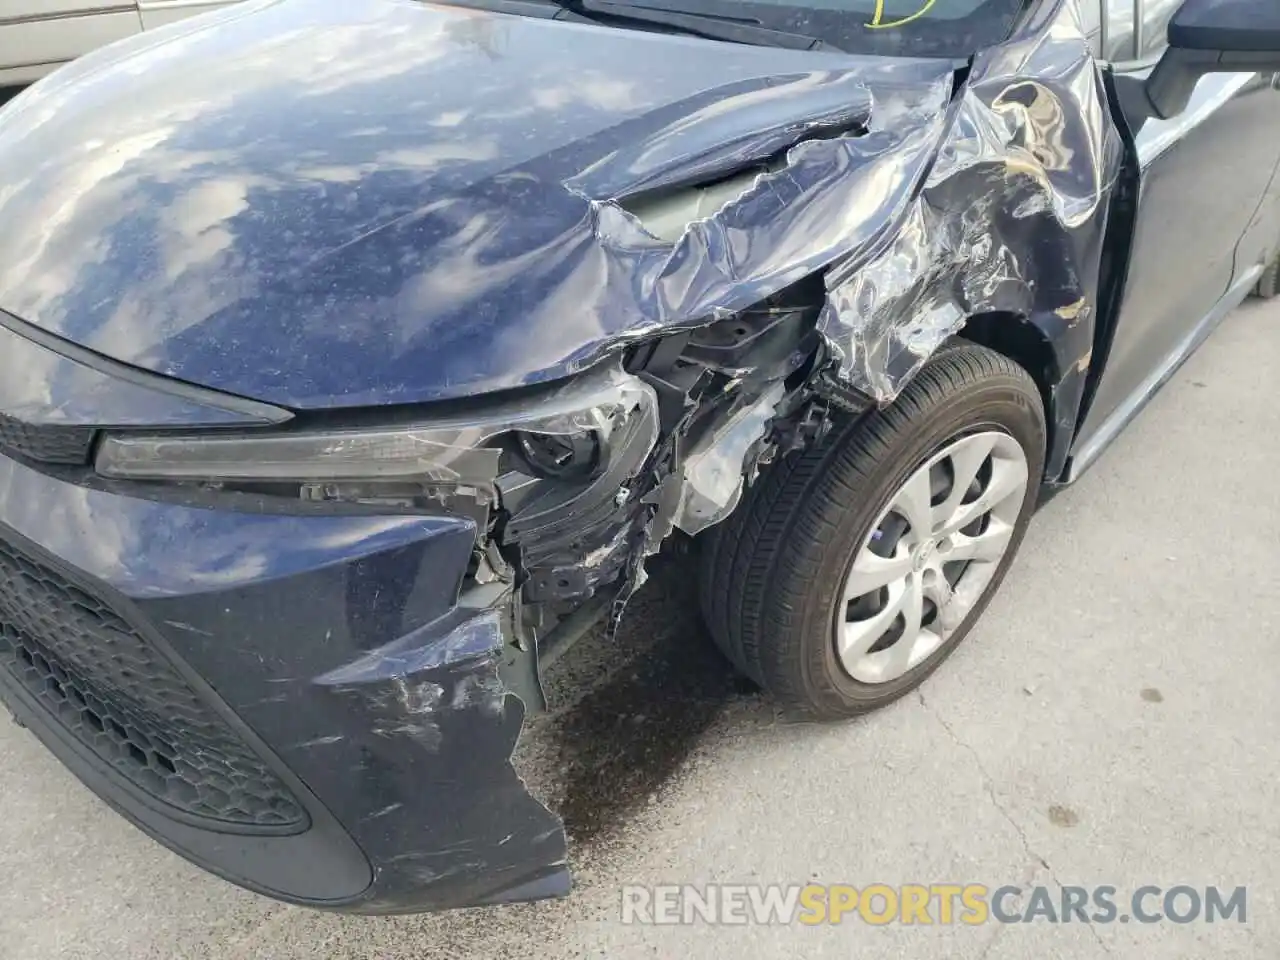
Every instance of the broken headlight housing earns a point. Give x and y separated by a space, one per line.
564 432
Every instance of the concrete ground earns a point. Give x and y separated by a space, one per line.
1112 721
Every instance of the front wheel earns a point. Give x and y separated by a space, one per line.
852 570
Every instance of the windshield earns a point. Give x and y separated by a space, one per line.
907 28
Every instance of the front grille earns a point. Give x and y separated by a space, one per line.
104 683
68 446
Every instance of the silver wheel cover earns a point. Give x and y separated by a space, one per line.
930 556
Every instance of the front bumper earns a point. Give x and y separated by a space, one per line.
298 703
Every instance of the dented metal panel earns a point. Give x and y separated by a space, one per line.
417 235
529 187
1009 219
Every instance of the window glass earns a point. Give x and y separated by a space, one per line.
1118 31
898 28
1156 15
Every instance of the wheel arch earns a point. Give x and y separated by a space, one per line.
1029 346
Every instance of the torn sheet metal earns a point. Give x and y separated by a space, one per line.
1009 220
936 211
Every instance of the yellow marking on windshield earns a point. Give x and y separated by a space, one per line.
877 19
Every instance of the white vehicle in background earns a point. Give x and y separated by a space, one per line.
38 36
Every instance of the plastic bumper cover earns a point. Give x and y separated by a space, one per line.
335 650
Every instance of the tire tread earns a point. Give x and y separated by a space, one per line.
796 503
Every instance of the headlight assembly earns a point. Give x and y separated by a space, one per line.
562 433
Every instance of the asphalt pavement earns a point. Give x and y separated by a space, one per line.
1113 720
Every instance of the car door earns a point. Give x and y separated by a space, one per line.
1208 212
156 13
37 36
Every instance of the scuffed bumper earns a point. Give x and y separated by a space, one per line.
328 652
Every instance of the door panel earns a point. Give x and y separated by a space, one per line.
1207 180
1262 239
156 13
45 33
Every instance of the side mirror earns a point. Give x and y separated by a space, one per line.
1213 36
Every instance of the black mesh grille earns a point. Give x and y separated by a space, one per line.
68 446
105 684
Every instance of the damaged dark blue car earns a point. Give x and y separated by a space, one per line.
356 354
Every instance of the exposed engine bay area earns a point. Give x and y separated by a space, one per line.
691 419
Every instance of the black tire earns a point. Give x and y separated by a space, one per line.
1269 283
771 571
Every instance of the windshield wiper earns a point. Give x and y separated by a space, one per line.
709 25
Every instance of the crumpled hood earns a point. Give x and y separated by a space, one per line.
325 203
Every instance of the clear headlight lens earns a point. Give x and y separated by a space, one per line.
385 454
462 450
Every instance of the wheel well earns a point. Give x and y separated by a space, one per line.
1027 346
